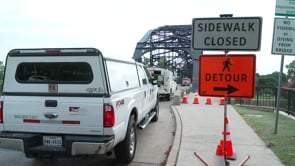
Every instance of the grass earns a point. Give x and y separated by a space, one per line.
282 143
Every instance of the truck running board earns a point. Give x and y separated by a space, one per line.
146 121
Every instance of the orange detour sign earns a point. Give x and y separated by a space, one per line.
228 75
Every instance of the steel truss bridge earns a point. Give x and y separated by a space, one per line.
170 47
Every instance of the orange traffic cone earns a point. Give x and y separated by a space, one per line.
222 100
184 99
196 100
209 101
229 146
219 159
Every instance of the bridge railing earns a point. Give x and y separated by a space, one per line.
266 97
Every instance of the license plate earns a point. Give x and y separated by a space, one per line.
52 140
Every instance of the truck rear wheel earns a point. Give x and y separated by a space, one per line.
125 150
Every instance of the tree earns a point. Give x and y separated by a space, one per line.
291 70
270 80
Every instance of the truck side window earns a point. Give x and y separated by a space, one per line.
142 75
121 80
147 73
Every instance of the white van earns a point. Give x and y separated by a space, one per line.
166 85
74 101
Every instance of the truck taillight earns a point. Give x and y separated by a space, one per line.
109 115
1 111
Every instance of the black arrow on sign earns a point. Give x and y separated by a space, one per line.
230 89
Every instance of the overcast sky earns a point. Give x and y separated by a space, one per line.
115 26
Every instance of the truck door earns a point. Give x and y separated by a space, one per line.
147 89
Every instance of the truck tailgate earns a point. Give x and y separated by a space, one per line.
50 114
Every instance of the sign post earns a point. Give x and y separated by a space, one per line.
227 75
284 44
284 30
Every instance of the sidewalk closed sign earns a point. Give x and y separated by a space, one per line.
227 33
227 75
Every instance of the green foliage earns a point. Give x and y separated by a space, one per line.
270 80
146 61
283 143
161 63
291 70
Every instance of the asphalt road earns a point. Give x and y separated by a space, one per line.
154 143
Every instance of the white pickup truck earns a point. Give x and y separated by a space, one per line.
66 102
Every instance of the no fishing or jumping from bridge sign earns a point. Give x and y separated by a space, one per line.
228 75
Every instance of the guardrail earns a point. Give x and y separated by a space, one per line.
266 97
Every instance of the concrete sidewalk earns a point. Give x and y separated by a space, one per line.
199 130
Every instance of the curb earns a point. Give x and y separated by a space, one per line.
174 151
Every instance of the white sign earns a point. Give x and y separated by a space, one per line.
283 41
285 8
227 33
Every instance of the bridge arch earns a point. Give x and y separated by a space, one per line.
169 47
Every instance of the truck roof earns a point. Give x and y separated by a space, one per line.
66 51
51 51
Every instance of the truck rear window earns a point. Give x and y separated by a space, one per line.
54 72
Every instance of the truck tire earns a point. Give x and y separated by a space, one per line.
125 150
156 109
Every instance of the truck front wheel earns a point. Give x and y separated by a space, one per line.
125 150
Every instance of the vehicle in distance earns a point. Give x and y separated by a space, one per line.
186 81
166 85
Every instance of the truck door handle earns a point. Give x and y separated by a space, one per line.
50 103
